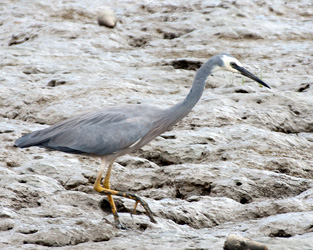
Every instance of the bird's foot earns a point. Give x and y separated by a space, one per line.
119 224
138 200
110 192
142 202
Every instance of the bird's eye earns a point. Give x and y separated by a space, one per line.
233 64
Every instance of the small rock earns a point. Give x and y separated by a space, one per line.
107 17
54 83
6 224
237 242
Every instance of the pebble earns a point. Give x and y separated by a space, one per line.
107 17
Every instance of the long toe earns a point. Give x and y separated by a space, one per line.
147 208
119 225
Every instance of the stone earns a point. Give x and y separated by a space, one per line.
6 224
107 17
236 242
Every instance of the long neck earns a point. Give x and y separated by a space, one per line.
182 108
169 117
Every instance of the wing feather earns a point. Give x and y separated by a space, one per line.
99 140
100 133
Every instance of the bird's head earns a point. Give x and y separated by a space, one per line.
230 63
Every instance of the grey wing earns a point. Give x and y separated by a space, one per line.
98 133
100 140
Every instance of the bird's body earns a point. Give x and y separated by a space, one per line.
112 132
98 133
118 131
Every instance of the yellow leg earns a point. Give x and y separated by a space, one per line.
106 188
106 181
109 192
106 185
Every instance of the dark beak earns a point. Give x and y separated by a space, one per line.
246 73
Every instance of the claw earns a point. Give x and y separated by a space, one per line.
105 189
119 225
143 203
134 210
138 200
110 192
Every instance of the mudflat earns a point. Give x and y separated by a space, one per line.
239 163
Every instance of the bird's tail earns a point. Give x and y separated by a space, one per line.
32 139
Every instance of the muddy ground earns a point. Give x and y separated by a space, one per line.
240 162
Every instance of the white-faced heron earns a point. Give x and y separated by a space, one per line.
112 132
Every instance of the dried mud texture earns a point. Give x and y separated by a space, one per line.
239 163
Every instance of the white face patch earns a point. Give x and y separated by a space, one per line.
227 61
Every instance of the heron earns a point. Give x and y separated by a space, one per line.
116 131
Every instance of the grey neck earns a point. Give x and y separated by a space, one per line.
198 84
182 108
169 117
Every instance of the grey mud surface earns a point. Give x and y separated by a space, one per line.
240 162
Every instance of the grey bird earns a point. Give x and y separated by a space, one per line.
115 131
